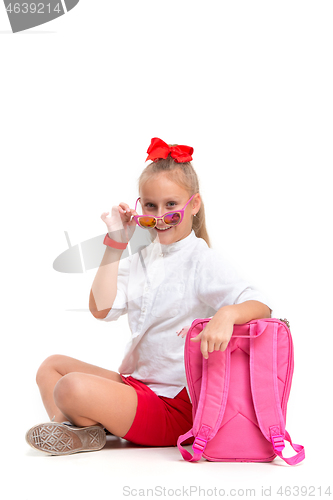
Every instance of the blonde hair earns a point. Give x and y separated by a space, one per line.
185 176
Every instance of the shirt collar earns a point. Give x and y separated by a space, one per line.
179 245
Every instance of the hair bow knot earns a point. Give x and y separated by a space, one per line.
159 149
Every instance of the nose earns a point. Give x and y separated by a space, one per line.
160 221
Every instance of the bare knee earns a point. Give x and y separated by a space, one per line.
49 364
68 391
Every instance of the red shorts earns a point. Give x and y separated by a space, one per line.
159 420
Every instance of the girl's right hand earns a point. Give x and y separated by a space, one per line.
120 223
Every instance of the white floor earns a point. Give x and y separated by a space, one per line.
123 470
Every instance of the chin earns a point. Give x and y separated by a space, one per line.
171 237
167 235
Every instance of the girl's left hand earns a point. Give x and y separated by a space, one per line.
216 334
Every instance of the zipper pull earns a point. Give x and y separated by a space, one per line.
286 322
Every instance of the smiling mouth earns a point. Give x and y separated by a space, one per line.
162 229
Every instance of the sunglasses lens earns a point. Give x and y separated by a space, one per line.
147 221
172 219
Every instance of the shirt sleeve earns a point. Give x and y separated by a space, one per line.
218 284
120 304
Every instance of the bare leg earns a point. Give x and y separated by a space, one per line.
88 399
86 394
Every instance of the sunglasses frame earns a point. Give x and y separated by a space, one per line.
181 212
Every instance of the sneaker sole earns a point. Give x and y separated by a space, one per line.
60 439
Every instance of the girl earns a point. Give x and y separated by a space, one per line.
164 286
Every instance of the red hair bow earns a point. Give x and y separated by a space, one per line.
159 149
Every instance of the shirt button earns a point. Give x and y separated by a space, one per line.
161 255
143 309
146 288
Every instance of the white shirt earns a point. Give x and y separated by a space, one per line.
164 288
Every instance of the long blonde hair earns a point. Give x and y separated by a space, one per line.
185 176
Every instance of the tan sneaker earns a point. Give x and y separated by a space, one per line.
63 439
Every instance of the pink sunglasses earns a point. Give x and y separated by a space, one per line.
170 218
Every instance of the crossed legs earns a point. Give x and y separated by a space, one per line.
86 394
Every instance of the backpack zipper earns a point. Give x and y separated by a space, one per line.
285 321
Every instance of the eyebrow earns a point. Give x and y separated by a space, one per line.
147 200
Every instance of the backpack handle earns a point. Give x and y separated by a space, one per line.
255 329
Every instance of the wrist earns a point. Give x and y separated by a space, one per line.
114 244
228 314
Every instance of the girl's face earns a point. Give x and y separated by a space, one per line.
161 195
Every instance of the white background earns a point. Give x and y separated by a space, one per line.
249 85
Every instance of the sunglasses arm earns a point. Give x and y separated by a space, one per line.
136 203
189 201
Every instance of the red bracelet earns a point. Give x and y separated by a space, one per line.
114 244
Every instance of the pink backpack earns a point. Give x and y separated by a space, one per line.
240 396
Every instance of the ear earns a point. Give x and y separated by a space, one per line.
196 204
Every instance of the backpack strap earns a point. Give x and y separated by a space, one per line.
264 386
211 405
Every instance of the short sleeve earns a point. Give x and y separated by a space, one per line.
218 283
120 304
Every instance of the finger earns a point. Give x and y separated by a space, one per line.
223 346
211 346
127 213
125 208
197 338
132 213
121 210
204 348
103 216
